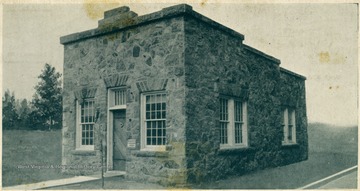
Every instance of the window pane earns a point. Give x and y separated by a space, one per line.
289 117
238 133
223 133
155 117
223 121
238 111
148 125
152 115
158 98
150 99
87 112
223 109
153 107
159 132
87 134
289 125
290 133
119 97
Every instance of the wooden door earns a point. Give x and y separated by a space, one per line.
119 135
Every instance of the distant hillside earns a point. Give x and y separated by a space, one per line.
330 138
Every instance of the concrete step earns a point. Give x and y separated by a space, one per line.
114 173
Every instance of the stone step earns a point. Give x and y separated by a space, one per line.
114 173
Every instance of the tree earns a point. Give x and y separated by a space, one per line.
47 100
9 115
23 111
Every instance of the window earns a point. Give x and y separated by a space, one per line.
289 126
224 121
154 121
233 123
86 121
117 98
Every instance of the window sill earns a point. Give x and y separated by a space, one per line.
235 150
289 145
147 153
161 148
84 152
117 107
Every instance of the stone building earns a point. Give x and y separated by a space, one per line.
178 99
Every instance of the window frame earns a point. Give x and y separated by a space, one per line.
288 122
143 142
111 97
79 145
231 128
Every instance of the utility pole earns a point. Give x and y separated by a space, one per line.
102 132
102 162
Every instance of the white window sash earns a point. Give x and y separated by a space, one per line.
231 126
245 124
111 101
286 125
289 114
293 129
78 141
143 136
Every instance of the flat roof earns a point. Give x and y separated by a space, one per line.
173 11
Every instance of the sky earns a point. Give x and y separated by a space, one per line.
319 41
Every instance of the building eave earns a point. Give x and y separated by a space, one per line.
292 73
264 55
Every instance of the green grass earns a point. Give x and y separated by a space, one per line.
333 139
21 147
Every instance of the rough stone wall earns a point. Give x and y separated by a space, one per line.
292 94
194 61
143 58
217 63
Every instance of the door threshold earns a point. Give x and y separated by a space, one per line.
114 173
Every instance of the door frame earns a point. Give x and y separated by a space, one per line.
110 129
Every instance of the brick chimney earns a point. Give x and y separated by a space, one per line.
121 16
